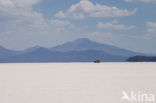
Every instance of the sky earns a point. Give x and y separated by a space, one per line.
129 24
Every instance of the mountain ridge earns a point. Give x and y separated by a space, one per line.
4 52
80 50
86 44
72 56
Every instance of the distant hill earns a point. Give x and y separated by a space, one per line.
5 53
86 44
80 50
45 55
31 49
141 59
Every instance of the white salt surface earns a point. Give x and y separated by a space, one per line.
74 82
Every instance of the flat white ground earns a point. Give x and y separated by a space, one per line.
74 82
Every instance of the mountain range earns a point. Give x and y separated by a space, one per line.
80 50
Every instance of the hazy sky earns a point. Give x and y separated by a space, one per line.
129 24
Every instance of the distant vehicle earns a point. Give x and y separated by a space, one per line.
97 61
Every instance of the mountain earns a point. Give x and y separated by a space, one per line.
142 59
45 55
31 49
80 50
5 53
86 44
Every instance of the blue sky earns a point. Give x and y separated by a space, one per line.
129 24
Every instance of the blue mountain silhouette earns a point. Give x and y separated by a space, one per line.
80 50
86 44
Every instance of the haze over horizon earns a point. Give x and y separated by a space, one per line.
128 24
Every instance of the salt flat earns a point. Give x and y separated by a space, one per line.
74 82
